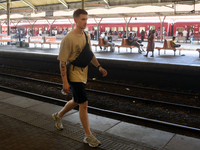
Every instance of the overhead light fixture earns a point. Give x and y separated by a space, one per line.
29 4
3 6
63 2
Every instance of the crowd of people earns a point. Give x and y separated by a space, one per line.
133 40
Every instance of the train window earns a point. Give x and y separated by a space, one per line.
5 29
70 28
95 27
59 30
163 29
142 28
107 29
129 28
86 29
152 27
134 29
36 29
114 29
120 29
180 30
45 28
65 28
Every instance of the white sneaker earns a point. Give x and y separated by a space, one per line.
58 121
92 141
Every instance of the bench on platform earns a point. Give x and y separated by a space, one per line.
198 51
167 46
100 43
51 40
125 44
5 39
35 40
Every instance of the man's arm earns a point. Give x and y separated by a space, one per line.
63 71
95 62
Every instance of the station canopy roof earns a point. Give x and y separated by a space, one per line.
51 10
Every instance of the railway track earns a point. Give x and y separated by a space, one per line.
118 115
131 98
63 102
115 84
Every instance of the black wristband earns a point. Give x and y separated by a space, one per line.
98 66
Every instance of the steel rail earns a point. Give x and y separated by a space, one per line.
103 110
146 88
108 93
119 84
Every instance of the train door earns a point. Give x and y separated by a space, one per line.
199 30
172 29
45 30
180 31
114 30
190 29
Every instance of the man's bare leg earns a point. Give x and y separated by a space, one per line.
83 114
70 105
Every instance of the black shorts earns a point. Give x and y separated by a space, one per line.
79 92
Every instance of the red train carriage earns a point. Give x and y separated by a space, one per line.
189 26
133 27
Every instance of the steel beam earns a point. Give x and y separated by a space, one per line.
29 4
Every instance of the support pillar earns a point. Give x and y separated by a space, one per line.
50 33
127 23
161 38
8 19
83 4
0 29
50 29
97 31
98 27
161 30
127 30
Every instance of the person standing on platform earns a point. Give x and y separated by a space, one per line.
185 34
142 35
75 50
176 32
192 37
165 34
151 43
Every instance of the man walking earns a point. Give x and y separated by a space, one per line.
75 50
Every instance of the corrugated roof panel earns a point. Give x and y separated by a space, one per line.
17 4
44 2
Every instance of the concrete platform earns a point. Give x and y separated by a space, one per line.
27 124
189 56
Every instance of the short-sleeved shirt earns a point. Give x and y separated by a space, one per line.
130 38
70 48
184 33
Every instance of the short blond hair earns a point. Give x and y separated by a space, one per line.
78 12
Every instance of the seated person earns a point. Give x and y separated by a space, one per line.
139 42
107 42
173 43
133 41
110 37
